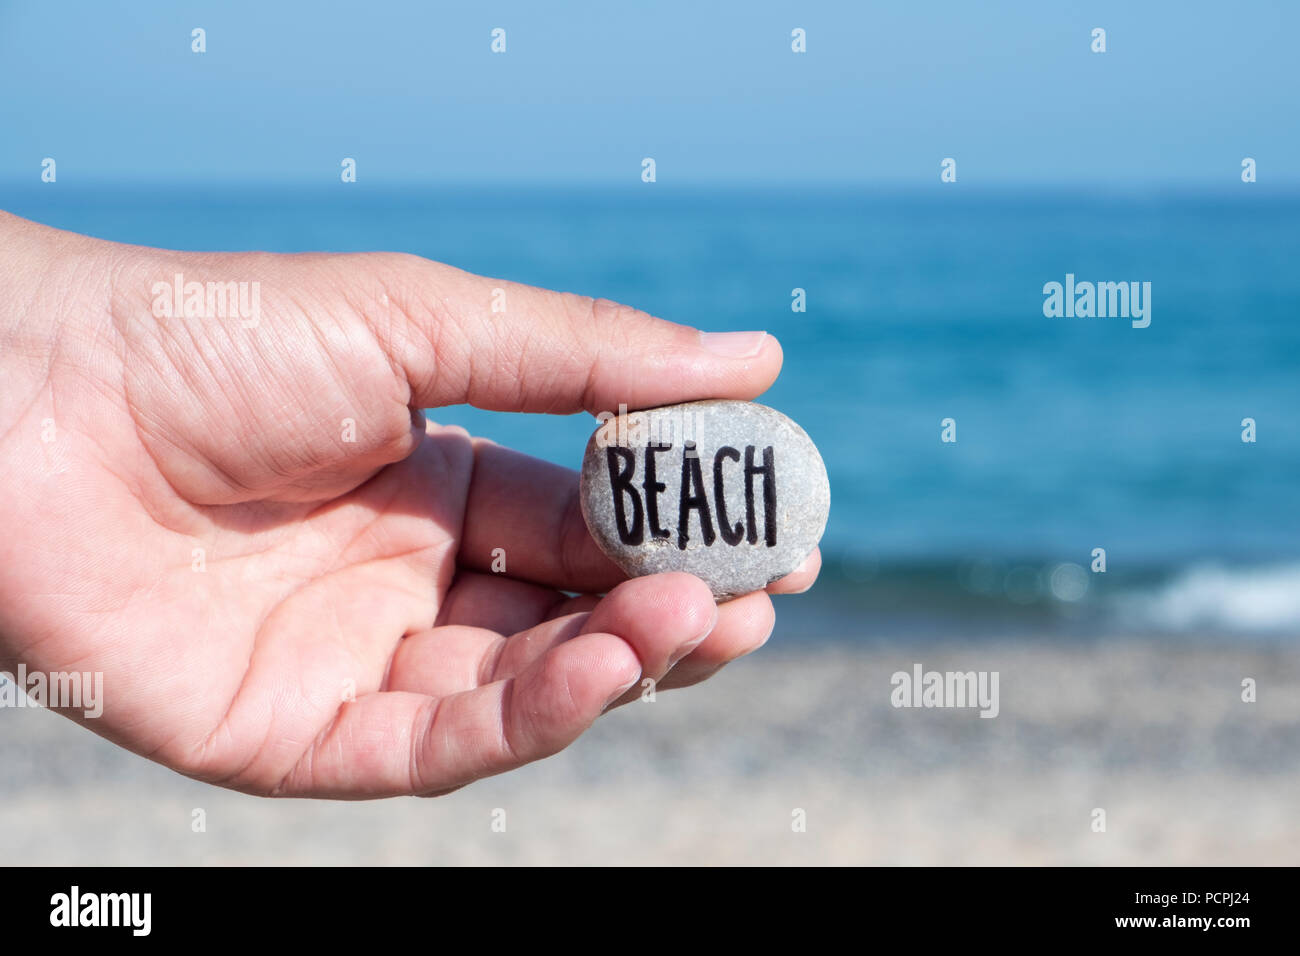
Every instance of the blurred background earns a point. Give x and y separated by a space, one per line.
778 171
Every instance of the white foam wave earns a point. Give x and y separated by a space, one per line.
1263 599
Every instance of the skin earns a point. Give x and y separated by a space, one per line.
332 569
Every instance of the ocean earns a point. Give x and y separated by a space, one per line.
1073 434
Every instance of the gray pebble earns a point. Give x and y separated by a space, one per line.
650 493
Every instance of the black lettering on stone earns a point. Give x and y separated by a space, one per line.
620 481
693 500
652 488
731 535
768 471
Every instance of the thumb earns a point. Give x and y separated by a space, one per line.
233 413
465 339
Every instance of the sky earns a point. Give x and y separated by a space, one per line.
587 89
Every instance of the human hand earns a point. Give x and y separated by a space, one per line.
277 609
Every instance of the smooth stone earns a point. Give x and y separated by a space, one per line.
652 507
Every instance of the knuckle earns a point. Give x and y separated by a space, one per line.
615 317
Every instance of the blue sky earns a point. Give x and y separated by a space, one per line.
710 90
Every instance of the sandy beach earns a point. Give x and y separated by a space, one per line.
1154 733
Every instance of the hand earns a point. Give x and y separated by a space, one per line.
281 610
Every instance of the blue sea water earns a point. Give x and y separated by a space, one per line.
1072 433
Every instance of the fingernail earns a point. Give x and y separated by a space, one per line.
804 566
619 693
694 642
733 344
